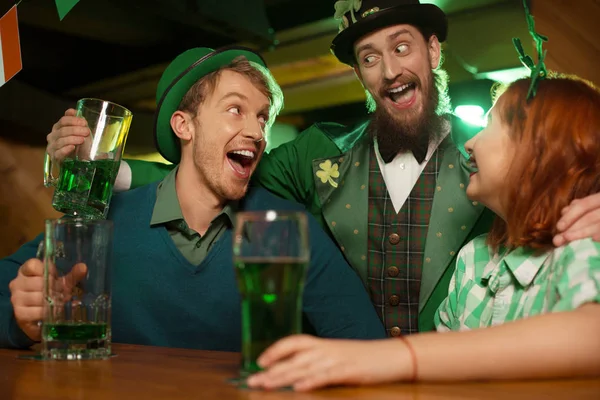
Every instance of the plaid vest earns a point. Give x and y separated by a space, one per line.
396 246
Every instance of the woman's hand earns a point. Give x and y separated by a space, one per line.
307 362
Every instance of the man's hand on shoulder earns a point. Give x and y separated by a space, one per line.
580 220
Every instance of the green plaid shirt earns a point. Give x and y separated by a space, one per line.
488 289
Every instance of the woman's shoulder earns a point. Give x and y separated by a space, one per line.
580 251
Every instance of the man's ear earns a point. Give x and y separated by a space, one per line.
182 125
358 74
435 52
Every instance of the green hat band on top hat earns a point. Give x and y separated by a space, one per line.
361 17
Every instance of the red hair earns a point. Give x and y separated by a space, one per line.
557 137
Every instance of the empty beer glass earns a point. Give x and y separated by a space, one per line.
77 256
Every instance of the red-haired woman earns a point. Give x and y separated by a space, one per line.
539 304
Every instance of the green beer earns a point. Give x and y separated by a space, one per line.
84 188
76 340
76 332
271 291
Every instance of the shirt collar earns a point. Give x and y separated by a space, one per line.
230 210
167 208
522 262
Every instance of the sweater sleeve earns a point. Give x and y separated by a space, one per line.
335 300
11 336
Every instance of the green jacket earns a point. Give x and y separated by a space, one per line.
340 202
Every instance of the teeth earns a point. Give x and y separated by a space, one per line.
399 88
245 153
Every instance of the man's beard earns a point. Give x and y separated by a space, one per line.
407 130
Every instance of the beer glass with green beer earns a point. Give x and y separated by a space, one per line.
77 289
271 254
87 175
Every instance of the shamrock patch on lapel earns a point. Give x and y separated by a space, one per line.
327 172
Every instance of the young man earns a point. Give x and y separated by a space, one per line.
173 278
391 191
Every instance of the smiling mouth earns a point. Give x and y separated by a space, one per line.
241 162
473 166
402 95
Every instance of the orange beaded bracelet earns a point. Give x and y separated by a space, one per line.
413 357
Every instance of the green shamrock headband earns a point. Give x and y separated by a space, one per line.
343 6
538 72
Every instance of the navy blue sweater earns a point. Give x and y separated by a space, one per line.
160 299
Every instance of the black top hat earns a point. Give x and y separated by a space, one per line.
360 17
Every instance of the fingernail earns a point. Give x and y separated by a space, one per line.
558 240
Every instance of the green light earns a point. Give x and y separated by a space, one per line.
504 75
269 298
473 115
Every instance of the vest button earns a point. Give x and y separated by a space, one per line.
394 238
394 300
393 271
395 331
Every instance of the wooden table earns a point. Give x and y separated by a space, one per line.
146 373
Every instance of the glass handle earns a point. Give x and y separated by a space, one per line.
49 179
39 254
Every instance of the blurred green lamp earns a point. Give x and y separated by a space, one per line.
471 114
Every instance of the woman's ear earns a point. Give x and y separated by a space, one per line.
182 125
